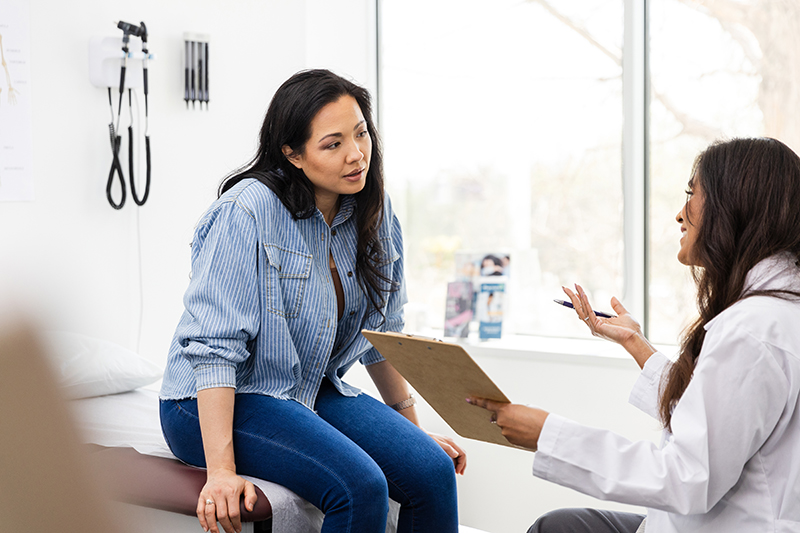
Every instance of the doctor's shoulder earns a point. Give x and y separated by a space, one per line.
762 319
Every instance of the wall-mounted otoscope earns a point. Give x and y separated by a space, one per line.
127 31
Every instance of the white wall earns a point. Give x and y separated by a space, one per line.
71 260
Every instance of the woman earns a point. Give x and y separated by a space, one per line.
299 253
730 404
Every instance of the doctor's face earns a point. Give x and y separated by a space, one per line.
690 218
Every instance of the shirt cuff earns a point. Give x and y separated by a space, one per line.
548 439
371 357
208 376
645 393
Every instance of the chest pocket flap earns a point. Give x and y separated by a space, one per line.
285 298
390 254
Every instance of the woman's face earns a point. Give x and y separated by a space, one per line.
336 156
692 211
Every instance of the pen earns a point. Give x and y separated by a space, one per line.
598 313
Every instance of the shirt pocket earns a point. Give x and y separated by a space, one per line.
287 280
390 254
386 262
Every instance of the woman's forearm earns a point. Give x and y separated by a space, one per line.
392 387
215 409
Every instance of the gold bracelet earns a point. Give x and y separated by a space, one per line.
405 404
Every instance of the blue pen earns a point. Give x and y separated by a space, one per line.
598 313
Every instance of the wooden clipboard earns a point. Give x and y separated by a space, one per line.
445 375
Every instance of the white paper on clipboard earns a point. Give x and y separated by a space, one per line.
445 375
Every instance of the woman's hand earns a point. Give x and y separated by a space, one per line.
452 449
520 425
622 329
219 501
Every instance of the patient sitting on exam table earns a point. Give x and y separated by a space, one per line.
301 252
730 404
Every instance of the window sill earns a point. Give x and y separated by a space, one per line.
554 349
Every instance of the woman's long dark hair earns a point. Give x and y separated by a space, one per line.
288 123
751 211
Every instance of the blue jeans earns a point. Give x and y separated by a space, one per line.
347 460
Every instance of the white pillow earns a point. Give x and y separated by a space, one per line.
87 367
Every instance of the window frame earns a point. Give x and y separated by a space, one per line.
635 167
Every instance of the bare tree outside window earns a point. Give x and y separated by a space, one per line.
503 129
719 69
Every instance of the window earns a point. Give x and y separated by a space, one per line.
502 131
522 127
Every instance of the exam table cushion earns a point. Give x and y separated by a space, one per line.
160 483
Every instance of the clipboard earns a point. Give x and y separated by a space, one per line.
445 375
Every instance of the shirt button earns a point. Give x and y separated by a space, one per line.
349 273
333 233
352 313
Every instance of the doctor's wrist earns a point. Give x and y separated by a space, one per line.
640 348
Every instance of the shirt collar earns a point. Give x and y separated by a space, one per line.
779 271
346 209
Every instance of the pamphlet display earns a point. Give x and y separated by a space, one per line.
481 279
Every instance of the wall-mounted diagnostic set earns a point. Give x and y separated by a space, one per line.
115 62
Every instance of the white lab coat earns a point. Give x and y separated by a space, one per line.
732 462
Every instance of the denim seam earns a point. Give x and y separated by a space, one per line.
413 507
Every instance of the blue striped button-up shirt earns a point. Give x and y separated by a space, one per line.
261 311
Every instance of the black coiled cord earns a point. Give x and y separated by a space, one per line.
116 167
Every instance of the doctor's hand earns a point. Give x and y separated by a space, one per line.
622 329
452 449
219 501
520 424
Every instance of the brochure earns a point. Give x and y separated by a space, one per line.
459 312
489 309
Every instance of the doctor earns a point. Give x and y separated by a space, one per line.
730 404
